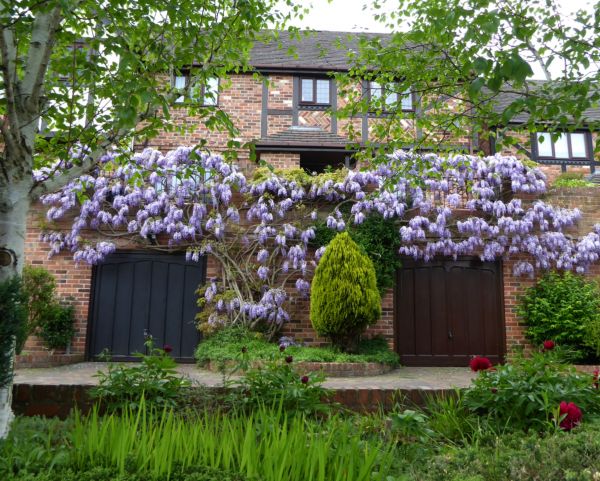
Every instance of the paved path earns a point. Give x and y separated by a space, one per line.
402 378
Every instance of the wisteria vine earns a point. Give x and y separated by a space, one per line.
260 230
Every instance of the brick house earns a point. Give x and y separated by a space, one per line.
439 313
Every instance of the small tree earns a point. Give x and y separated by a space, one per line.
344 295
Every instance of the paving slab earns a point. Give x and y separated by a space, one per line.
408 378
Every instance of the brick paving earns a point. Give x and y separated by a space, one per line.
404 378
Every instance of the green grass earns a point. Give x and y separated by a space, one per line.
227 345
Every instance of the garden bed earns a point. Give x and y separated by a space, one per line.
330 369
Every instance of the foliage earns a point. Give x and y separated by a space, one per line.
564 308
479 54
526 393
13 325
155 380
572 179
227 344
50 319
344 296
266 444
378 238
277 384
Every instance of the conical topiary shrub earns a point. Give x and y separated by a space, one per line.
344 296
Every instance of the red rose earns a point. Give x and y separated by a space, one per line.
167 348
572 415
304 379
289 359
479 363
548 345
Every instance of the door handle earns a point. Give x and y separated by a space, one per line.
450 335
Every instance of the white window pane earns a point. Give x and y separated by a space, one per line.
307 90
375 90
407 100
544 144
323 91
561 147
179 83
391 98
211 91
578 145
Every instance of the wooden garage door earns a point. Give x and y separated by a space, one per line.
447 311
134 293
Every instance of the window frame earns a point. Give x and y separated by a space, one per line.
313 102
384 95
587 138
200 99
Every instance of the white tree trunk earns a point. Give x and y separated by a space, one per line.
13 219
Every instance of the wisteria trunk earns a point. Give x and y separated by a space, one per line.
13 217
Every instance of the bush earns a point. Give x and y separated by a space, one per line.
344 295
277 385
155 380
50 318
227 344
564 308
13 325
527 392
572 179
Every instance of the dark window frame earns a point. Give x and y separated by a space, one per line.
200 99
384 94
588 147
314 102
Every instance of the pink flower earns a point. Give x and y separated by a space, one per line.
572 415
479 363
548 345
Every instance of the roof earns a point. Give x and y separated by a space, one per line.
308 50
303 137
504 99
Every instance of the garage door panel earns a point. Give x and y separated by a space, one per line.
135 293
457 312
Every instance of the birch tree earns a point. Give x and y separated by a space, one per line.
81 77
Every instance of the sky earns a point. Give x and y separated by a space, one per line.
349 15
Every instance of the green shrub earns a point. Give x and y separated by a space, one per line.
155 380
527 391
564 308
277 384
344 295
572 179
50 318
13 325
378 238
227 344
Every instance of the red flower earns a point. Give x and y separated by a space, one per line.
596 377
289 359
548 345
167 348
304 379
281 348
494 390
479 363
572 415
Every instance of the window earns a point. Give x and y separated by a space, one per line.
572 145
389 94
315 91
202 93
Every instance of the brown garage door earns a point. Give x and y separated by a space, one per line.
447 311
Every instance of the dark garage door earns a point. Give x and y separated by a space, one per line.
137 292
447 311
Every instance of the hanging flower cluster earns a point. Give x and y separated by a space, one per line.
260 230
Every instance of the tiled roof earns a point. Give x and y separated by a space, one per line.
503 100
308 50
303 137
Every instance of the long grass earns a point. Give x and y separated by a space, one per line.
266 445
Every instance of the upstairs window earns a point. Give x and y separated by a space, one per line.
206 94
389 98
315 91
569 145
